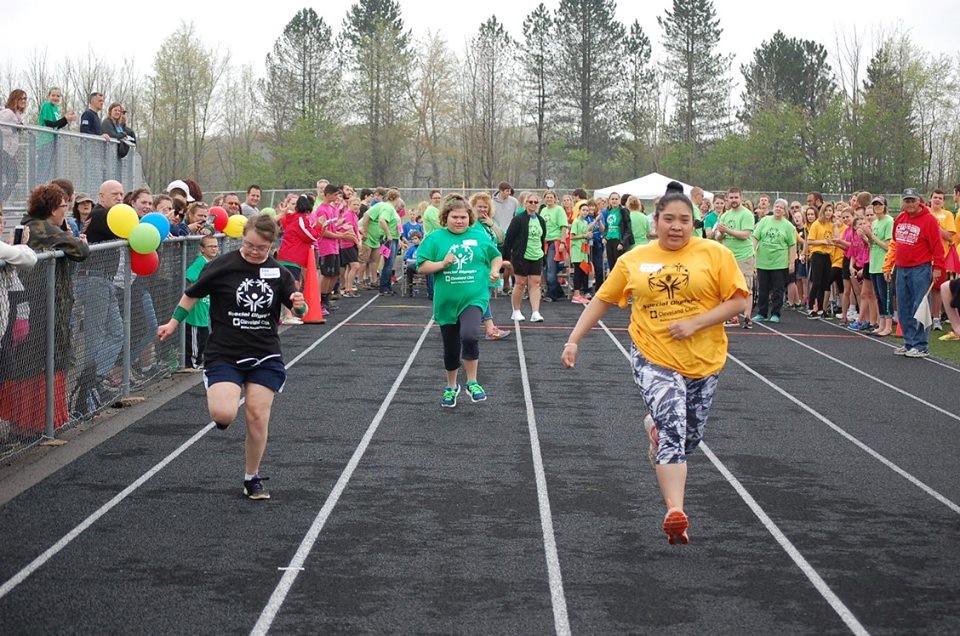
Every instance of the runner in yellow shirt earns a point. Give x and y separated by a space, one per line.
683 289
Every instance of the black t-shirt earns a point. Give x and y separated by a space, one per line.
245 304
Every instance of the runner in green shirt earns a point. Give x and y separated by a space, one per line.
465 262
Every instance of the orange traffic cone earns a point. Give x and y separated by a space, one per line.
899 330
311 293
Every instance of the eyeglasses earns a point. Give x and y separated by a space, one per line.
532 202
256 248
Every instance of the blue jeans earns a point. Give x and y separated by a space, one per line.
553 284
387 272
912 285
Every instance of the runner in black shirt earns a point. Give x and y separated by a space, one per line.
246 289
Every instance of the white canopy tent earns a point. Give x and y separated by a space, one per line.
647 188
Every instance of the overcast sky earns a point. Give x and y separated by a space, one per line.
248 29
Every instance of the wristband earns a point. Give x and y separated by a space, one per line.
180 313
301 312
571 344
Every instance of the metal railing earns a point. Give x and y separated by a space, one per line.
31 155
82 335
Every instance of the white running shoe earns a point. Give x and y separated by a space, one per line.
536 317
517 316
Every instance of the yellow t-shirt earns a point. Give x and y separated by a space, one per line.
819 231
668 286
947 222
836 253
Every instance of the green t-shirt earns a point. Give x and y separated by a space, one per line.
640 226
710 220
579 228
374 232
466 282
199 316
534 250
740 219
883 230
48 112
774 239
613 224
431 220
556 219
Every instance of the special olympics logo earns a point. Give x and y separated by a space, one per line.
254 294
670 280
461 255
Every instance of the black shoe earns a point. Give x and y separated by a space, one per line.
254 489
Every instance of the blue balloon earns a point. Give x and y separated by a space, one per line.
158 221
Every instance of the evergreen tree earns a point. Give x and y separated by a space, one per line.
538 57
381 58
787 70
590 68
690 35
637 112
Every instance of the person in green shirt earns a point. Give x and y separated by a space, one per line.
198 320
558 227
465 262
775 242
431 223
523 245
616 218
581 236
50 117
377 228
879 234
639 223
735 229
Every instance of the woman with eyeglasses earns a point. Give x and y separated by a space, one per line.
21 396
247 289
12 114
523 246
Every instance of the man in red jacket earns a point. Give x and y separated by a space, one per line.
919 262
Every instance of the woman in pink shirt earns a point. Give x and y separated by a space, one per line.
860 273
348 223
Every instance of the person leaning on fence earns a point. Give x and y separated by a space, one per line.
50 117
683 289
21 395
247 288
12 115
14 261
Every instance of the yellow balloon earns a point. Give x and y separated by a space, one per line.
121 219
235 225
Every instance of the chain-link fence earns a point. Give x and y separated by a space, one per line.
30 156
81 336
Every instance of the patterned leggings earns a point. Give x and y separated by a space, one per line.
678 405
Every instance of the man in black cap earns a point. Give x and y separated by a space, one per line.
919 261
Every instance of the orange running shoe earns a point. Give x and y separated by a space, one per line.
675 524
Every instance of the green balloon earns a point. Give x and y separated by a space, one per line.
268 211
144 238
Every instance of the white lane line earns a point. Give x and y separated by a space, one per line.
292 570
50 552
881 341
892 387
561 621
808 570
880 458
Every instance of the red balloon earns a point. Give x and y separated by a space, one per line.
144 264
220 218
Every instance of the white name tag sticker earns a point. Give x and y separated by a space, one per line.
269 272
649 268
470 242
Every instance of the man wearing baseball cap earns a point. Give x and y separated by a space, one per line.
919 261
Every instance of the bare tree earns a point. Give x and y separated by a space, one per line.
433 100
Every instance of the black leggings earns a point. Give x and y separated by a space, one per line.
462 336
821 275
612 252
